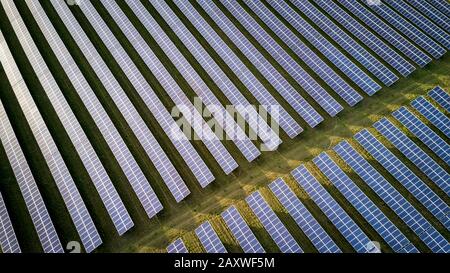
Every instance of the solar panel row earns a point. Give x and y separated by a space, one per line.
431 12
209 239
82 220
441 5
151 146
346 42
441 97
234 132
108 193
341 87
421 21
8 239
367 37
229 89
417 156
190 113
413 218
308 83
300 105
273 225
366 207
424 133
154 104
33 199
387 32
335 213
333 54
405 176
177 247
304 219
256 88
241 231
432 114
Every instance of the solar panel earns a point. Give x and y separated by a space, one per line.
432 114
262 95
421 21
416 155
405 176
8 239
209 239
33 199
366 207
177 247
195 163
335 213
441 5
113 203
241 231
387 32
189 111
308 83
233 131
441 97
273 225
300 105
358 52
409 30
78 212
304 219
143 134
424 133
330 52
434 14
242 106
342 88
367 37
421 227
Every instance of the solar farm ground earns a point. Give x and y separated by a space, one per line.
203 204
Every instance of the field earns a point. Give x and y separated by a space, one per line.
180 219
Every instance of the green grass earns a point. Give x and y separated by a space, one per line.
203 204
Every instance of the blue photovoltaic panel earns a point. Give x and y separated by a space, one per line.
209 239
298 103
308 83
229 89
423 161
188 110
432 114
346 42
72 199
424 133
423 229
387 32
304 219
367 37
241 231
234 132
182 144
441 97
421 21
272 224
8 239
333 54
253 85
340 219
341 87
366 207
33 199
434 14
405 176
409 30
151 146
177 247
441 5
109 195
